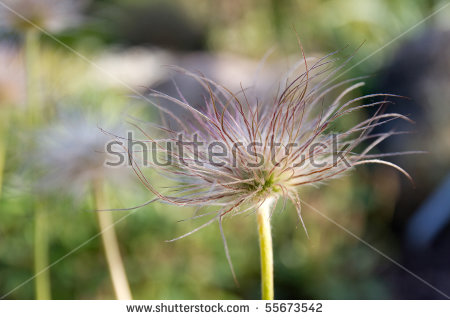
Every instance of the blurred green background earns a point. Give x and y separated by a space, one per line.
52 101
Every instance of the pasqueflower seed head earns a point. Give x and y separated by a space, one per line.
51 15
240 149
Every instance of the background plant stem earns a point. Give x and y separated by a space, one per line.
42 280
4 128
111 246
32 61
266 251
32 74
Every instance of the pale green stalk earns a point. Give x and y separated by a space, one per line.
32 62
42 279
266 251
4 126
111 245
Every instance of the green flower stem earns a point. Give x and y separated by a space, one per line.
42 280
266 251
4 128
2 161
32 63
111 245
31 47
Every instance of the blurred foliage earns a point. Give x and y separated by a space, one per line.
329 265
